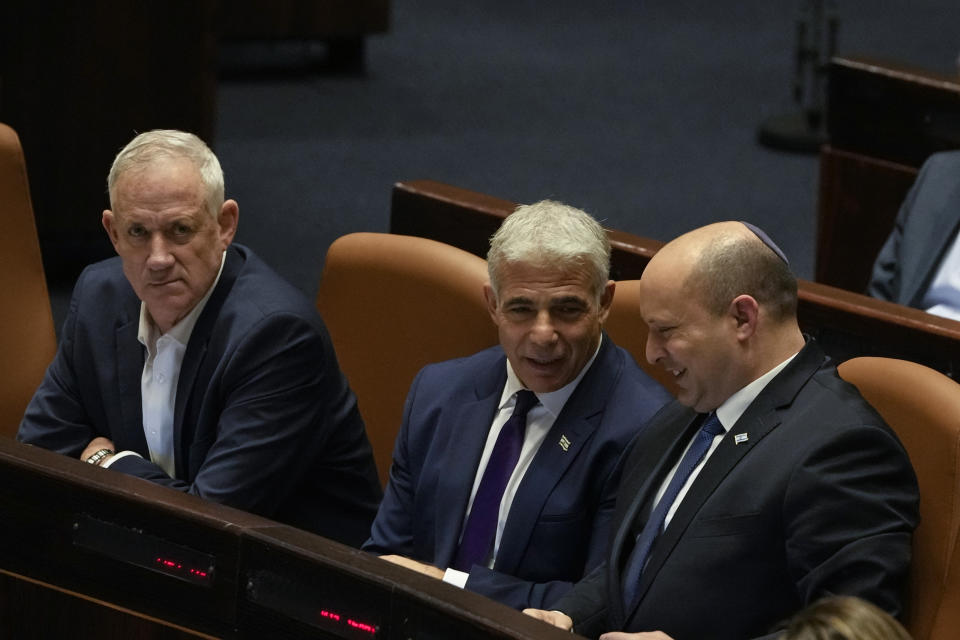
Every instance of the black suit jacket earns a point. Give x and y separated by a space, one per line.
264 419
820 498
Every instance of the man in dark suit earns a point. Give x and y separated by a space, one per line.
919 264
547 521
768 484
189 362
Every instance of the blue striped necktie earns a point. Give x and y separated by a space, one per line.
651 530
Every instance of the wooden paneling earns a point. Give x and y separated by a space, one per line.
884 120
847 324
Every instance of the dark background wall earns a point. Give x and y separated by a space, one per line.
643 113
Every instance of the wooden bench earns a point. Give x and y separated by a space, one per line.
847 324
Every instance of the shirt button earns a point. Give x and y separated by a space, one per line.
161 378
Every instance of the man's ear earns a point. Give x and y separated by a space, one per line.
491 299
606 298
745 310
227 221
109 222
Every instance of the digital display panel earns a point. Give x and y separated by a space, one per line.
313 605
136 547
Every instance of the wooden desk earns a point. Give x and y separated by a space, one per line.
91 553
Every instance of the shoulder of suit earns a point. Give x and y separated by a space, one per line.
945 160
262 290
633 375
492 359
104 283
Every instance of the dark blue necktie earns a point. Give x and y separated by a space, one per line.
478 535
641 550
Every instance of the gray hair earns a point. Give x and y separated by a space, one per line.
549 233
147 147
737 264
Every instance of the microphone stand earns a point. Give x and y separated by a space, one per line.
804 130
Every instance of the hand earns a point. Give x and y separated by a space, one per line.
419 567
95 445
556 618
646 635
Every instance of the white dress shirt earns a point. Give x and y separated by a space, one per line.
158 382
728 413
942 297
540 420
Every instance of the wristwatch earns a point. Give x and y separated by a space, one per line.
97 457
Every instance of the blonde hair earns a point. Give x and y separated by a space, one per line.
844 618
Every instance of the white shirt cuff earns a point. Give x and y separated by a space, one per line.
117 456
456 578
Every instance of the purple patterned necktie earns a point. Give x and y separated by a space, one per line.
641 551
478 535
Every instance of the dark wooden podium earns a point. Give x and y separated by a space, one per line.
91 553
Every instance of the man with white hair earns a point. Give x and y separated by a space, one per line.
506 464
188 362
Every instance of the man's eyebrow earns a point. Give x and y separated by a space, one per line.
517 300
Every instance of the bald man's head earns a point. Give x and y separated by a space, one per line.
720 307
727 259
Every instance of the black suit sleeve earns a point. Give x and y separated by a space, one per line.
586 603
848 516
56 418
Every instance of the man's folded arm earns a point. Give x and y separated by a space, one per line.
275 418
392 530
56 419
849 515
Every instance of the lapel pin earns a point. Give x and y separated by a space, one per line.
740 437
564 442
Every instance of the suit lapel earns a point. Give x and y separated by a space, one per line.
467 426
573 427
721 462
129 357
660 453
194 357
760 418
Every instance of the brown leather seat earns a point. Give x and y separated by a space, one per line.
394 304
923 407
627 328
27 338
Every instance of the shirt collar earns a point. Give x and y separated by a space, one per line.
734 406
552 401
148 333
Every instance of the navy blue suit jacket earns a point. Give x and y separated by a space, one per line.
264 419
925 228
559 523
818 498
